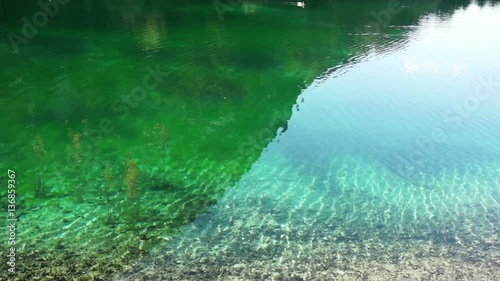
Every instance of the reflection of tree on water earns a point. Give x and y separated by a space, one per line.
63 103
301 4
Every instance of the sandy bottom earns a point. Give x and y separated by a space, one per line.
256 252
425 263
289 225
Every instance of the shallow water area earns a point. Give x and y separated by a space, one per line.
334 140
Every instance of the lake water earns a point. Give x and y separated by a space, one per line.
252 140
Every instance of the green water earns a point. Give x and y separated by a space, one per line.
343 140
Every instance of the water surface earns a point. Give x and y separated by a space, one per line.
272 141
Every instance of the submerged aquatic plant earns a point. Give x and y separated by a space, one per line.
40 191
76 144
38 145
131 180
163 135
73 151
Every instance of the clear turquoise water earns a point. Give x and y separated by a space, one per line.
284 143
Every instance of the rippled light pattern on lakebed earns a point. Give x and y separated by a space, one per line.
274 142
